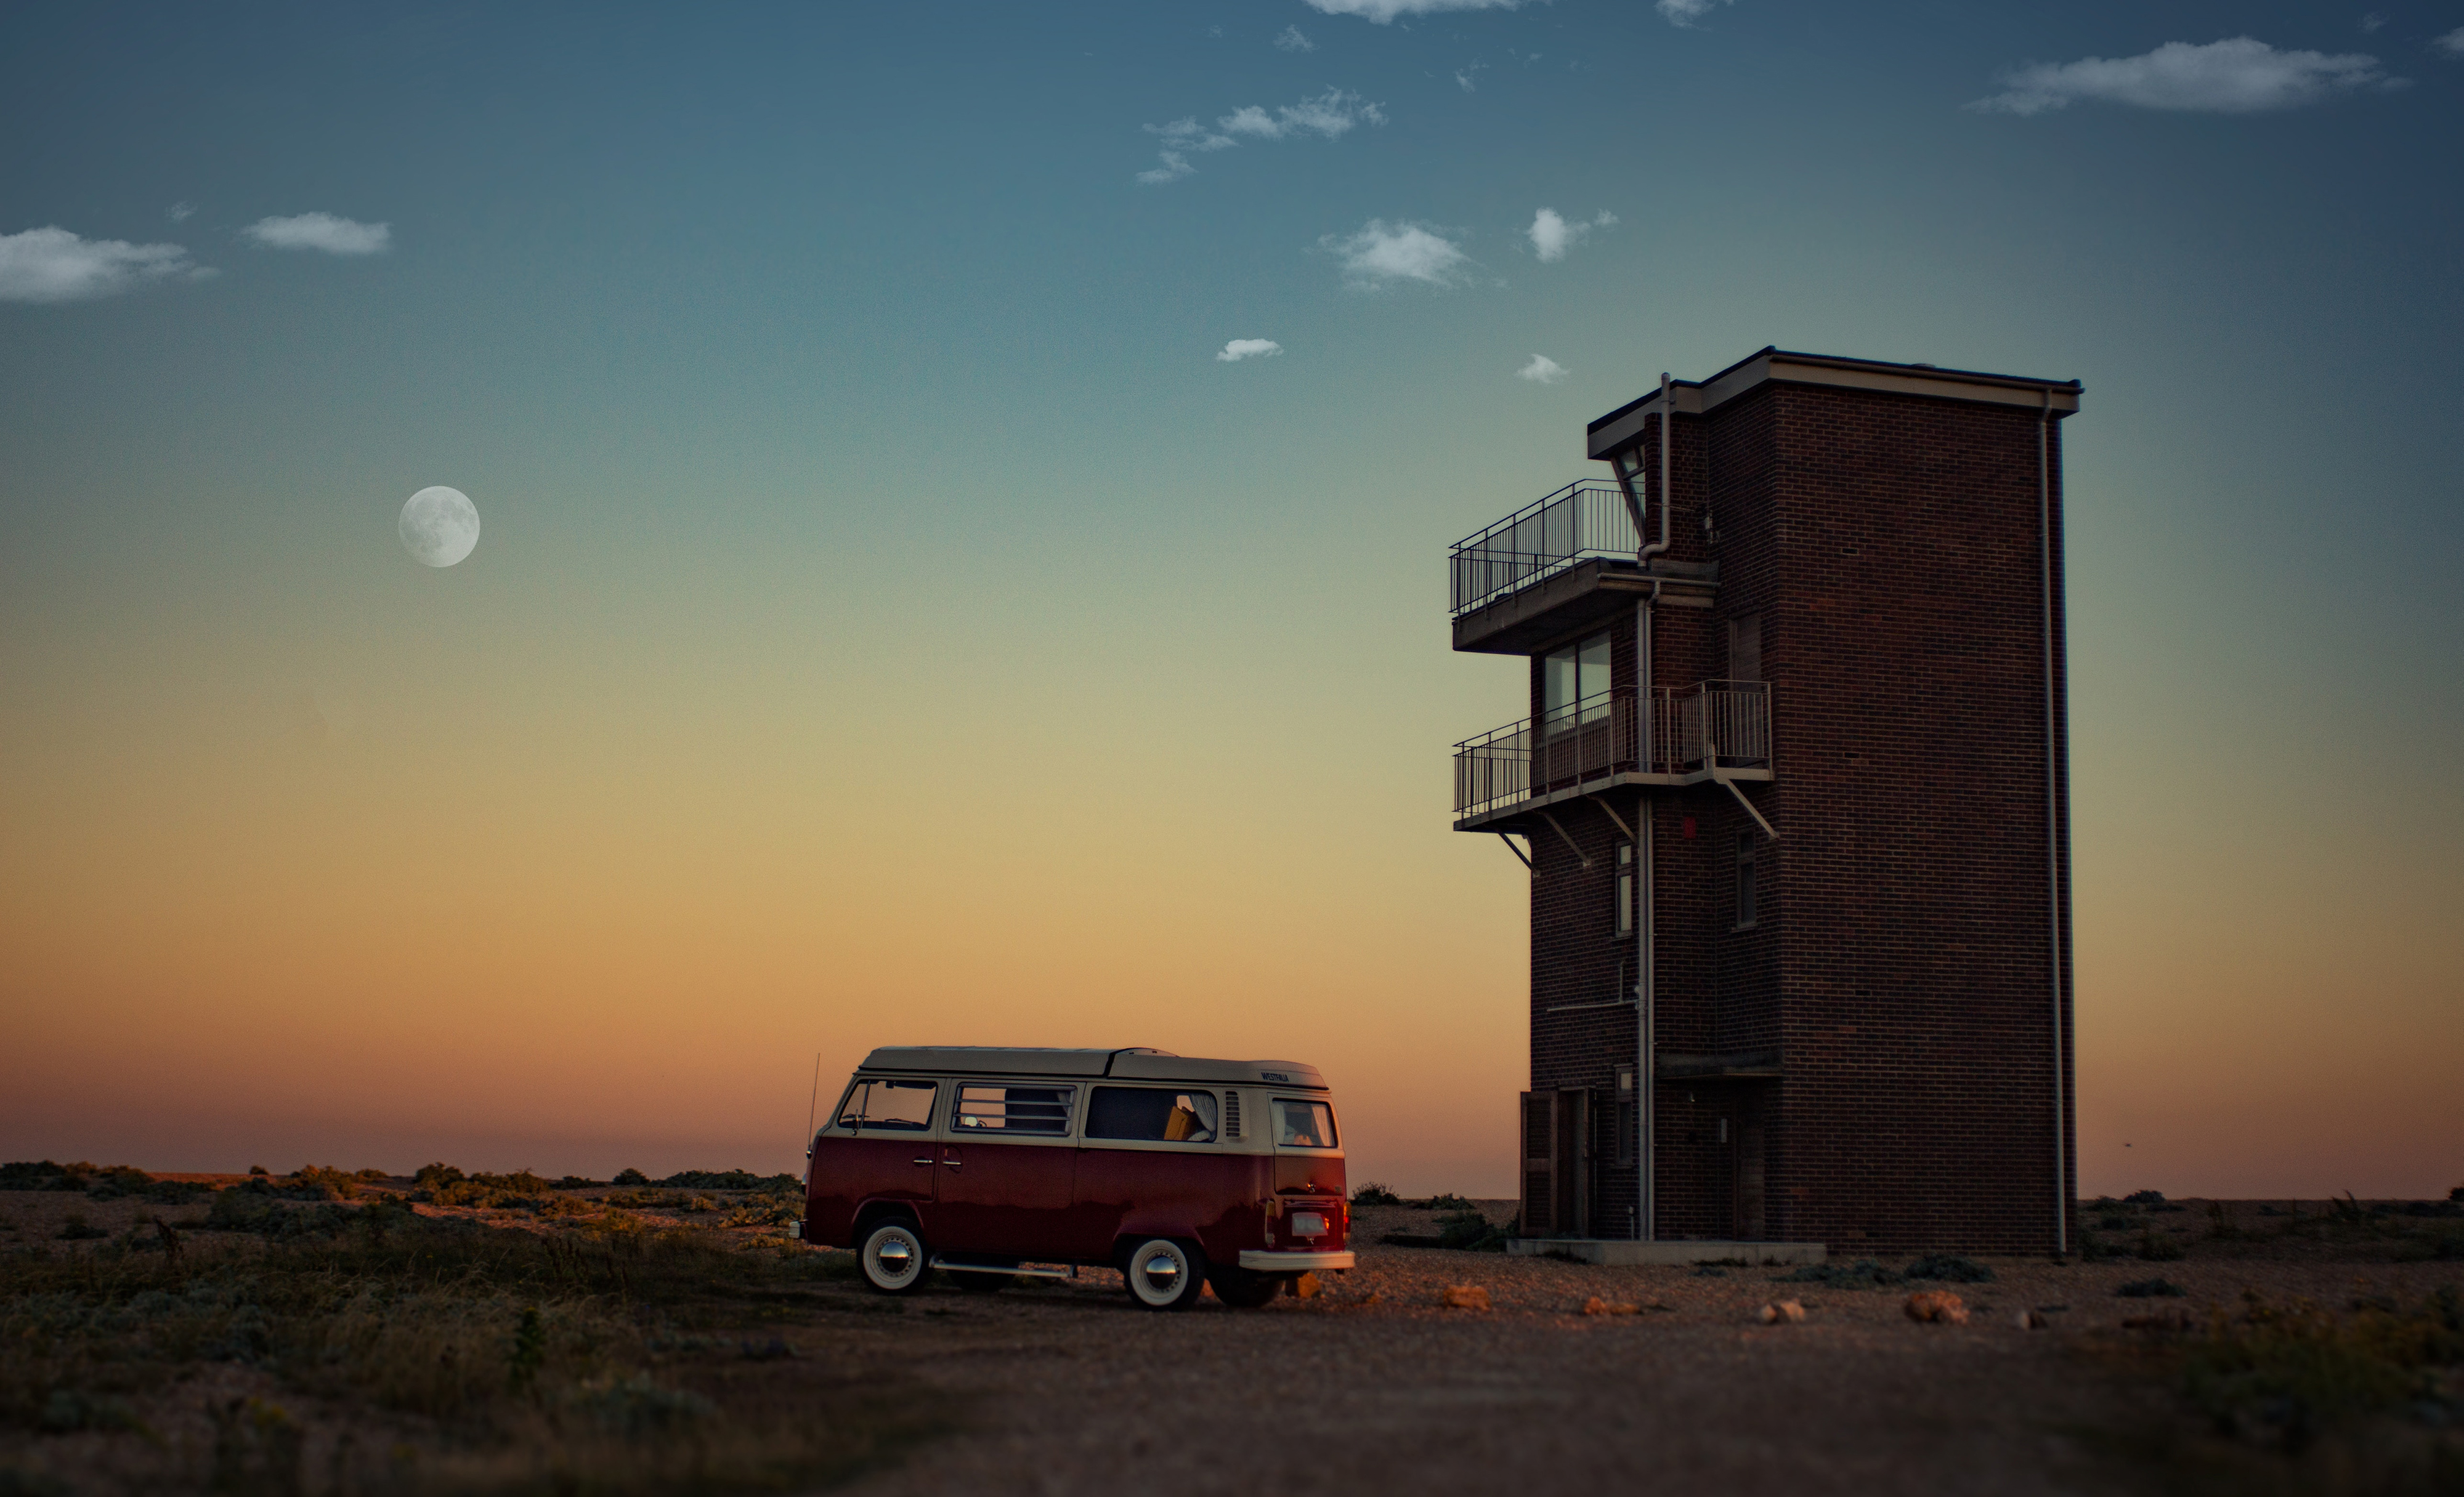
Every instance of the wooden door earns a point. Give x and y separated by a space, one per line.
1745 1172
1573 1163
1539 1133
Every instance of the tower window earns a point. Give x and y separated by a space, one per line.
1627 1117
1745 648
1745 880
1574 682
1625 889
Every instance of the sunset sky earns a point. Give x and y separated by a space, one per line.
913 607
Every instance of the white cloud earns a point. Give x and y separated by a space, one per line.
321 231
1331 115
2235 77
2373 21
1686 13
1382 11
1470 77
1292 39
2452 43
1384 254
1552 236
179 212
1240 348
50 264
1542 370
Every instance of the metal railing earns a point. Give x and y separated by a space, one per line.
1586 518
1723 722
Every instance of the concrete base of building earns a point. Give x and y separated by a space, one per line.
1615 1252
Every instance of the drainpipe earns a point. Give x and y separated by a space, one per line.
2052 824
1646 982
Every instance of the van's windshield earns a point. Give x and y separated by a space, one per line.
1303 1125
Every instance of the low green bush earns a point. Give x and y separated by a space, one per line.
1375 1195
2151 1289
1863 1273
1950 1268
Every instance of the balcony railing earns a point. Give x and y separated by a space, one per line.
1606 735
1583 519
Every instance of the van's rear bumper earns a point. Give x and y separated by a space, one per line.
1258 1262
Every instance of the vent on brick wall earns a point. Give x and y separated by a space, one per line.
1231 1114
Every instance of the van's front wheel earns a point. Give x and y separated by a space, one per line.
895 1258
1164 1274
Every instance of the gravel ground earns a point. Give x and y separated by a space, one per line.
1373 1385
1376 1385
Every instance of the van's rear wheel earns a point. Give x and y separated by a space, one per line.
895 1258
1164 1274
1242 1290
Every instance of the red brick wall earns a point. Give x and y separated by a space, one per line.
1898 959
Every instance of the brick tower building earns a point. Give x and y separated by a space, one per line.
1795 792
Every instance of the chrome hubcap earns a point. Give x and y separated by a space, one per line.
1161 1272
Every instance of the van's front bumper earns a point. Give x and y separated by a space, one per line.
1259 1261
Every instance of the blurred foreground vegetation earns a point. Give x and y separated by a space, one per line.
312 1333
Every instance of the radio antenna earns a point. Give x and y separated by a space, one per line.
815 1101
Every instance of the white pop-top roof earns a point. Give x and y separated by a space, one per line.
1136 1064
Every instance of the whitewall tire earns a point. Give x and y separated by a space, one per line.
895 1258
1164 1274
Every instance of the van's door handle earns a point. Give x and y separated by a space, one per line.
954 1163
926 1160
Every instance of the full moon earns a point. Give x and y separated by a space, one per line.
440 526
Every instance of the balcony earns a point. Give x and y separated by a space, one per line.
1539 540
1717 730
1562 563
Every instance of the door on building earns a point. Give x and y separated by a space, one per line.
1745 1169
1557 1164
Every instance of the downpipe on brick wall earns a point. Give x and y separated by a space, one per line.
2053 823
1646 995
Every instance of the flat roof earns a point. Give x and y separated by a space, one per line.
1620 427
1136 1063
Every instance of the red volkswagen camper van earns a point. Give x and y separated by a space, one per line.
990 1164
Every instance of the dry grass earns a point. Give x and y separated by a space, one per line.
344 1347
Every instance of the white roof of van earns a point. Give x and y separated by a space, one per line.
1137 1064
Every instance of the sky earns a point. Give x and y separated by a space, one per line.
964 495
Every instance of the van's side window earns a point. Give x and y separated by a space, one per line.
1151 1112
1303 1125
894 1106
1013 1111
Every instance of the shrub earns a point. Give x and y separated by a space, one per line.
729 1180
2151 1289
577 1182
79 1229
631 1177
2144 1198
119 1179
1950 1268
2284 1373
374 1175
259 1169
320 1183
1374 1194
431 1176
1863 1273
2158 1247
1471 1231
